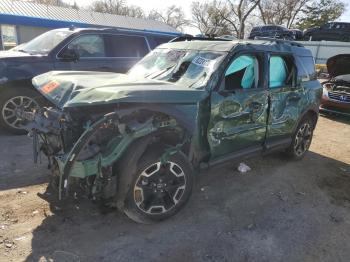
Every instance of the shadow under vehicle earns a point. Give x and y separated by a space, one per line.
88 49
136 140
336 91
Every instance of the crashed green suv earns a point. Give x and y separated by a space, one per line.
135 141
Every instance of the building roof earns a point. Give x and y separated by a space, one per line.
53 16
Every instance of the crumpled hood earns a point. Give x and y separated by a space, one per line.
338 65
82 88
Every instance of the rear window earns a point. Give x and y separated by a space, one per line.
127 46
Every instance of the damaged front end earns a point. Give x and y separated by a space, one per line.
83 154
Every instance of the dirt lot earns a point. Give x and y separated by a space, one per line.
280 211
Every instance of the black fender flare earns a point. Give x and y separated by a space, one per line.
312 109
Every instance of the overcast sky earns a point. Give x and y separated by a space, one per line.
148 5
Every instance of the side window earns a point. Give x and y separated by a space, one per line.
327 26
243 73
281 71
89 46
127 46
306 68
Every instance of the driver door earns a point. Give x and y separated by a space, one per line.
239 108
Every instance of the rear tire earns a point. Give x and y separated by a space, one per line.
12 102
301 139
157 191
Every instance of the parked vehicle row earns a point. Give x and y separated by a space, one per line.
136 140
272 31
334 31
108 50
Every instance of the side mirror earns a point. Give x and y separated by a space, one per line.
70 55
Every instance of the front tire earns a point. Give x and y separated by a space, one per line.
12 103
302 139
158 191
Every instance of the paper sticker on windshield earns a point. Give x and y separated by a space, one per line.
201 61
175 55
49 87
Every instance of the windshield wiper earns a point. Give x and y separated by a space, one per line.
202 76
160 73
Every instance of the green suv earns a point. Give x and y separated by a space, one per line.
135 141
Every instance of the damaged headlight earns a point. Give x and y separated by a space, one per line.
326 88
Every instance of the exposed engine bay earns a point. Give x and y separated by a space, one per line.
336 91
83 152
339 86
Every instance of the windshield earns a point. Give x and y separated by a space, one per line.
190 68
44 43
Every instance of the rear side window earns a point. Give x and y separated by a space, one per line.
306 68
281 71
127 46
278 72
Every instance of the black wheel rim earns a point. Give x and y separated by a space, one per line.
303 139
15 107
159 188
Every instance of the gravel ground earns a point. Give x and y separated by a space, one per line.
279 211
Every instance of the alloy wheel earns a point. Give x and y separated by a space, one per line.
303 139
159 188
14 108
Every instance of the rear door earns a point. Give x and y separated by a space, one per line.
286 99
93 56
125 50
239 107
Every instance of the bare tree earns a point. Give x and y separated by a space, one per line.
236 14
108 6
206 15
173 16
117 7
282 12
51 2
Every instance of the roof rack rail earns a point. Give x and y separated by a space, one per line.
279 41
191 38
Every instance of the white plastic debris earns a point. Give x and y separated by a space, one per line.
243 168
20 238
